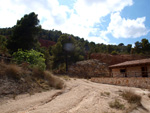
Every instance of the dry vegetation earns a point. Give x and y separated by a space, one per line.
131 97
105 93
15 80
54 81
117 104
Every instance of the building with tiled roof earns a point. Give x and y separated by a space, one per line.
135 68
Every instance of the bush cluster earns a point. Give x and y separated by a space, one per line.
34 58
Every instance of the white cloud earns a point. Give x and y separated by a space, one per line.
50 10
126 28
79 20
86 13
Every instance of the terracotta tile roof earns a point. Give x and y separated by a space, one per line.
133 62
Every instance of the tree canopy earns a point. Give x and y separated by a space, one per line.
66 49
25 33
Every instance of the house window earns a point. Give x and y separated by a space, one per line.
123 71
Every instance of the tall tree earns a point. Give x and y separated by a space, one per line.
138 47
66 51
3 41
121 44
129 47
145 45
25 33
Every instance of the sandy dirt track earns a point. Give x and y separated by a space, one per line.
79 96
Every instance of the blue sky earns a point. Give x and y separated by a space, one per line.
100 21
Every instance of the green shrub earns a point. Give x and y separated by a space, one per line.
114 53
34 58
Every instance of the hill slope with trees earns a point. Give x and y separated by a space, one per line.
27 34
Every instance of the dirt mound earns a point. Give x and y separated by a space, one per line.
88 68
115 59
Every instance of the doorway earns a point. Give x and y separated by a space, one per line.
144 72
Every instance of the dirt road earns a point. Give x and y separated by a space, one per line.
79 96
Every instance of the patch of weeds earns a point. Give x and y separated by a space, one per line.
14 96
54 81
117 105
131 97
131 108
13 71
105 93
38 73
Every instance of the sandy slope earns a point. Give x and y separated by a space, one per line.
80 96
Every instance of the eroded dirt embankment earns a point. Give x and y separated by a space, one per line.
79 96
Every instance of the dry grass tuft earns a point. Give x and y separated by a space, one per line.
38 73
117 105
16 80
10 70
13 71
53 80
2 69
105 93
131 97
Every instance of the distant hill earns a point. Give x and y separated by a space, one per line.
49 37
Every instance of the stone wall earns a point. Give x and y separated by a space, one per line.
131 82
